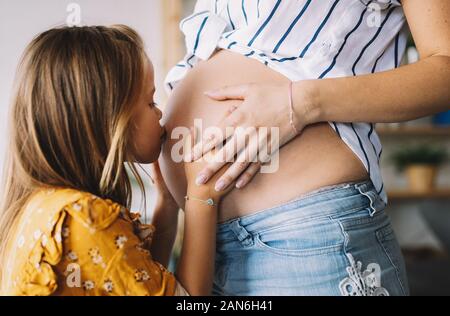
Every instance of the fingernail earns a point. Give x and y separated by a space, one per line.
201 179
220 185
240 184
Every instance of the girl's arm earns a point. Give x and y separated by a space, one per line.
196 266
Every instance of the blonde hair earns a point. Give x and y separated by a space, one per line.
69 124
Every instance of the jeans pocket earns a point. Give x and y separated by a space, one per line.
303 239
388 241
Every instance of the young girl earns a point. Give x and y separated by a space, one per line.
83 109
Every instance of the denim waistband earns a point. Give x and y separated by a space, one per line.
326 201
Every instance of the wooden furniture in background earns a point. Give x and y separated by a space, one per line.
173 39
414 132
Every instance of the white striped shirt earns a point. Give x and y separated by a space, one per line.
304 39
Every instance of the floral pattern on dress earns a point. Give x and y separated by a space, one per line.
88 285
120 241
141 275
108 286
72 256
95 255
140 248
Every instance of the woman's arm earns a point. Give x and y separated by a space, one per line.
404 93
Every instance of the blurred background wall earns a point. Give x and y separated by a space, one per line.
421 218
21 20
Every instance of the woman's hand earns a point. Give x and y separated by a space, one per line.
264 106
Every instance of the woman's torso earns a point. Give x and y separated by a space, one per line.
317 158
301 40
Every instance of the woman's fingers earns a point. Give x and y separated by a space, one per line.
216 135
232 173
236 92
218 159
248 154
248 175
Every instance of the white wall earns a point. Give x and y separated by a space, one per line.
21 20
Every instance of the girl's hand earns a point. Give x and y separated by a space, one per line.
165 219
264 105
164 199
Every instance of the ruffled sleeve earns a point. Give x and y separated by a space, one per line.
113 248
37 276
37 245
74 243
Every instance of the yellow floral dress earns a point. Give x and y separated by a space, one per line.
68 242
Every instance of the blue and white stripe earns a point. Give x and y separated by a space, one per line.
305 39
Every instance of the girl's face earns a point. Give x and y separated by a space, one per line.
148 134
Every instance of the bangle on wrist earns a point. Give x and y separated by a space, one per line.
209 201
291 110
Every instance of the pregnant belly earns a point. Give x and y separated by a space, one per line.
316 158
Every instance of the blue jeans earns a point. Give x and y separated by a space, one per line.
333 241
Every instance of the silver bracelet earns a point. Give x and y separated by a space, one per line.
209 201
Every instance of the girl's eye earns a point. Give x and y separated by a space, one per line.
153 104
